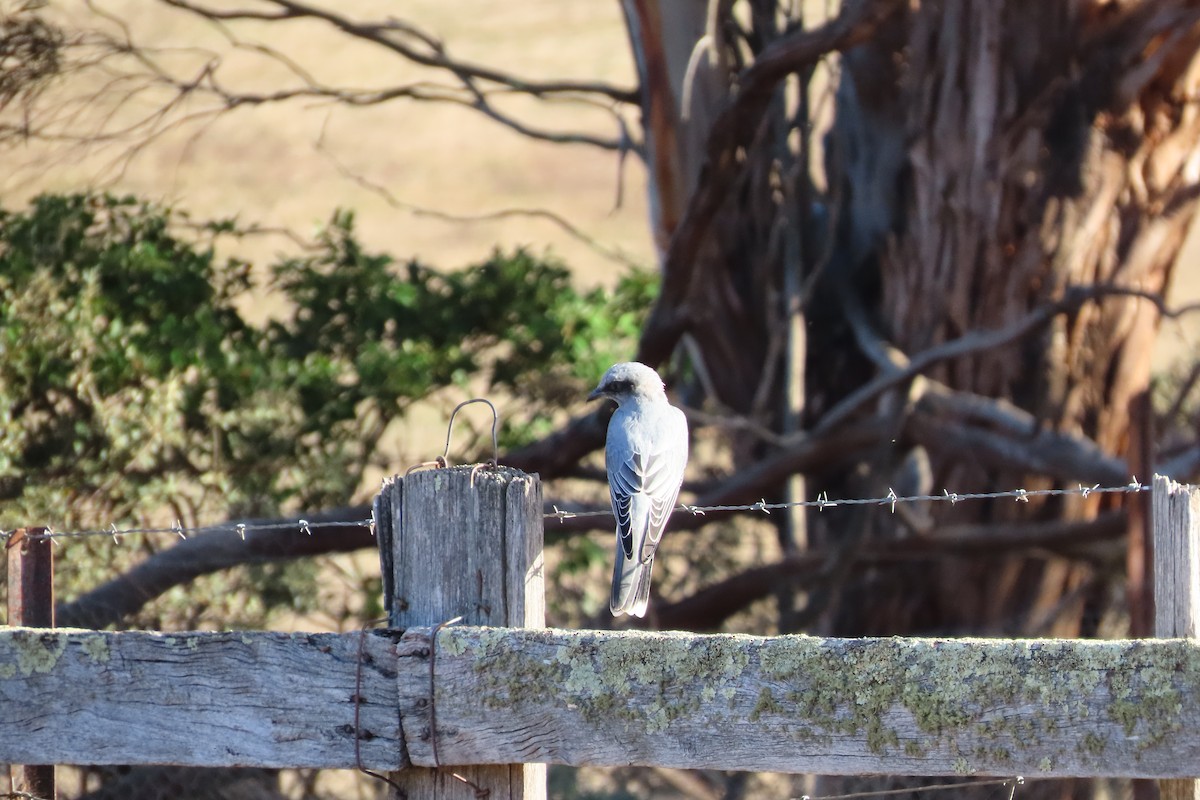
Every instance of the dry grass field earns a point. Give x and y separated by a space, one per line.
291 164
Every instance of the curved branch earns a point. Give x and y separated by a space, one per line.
708 608
1062 457
387 35
120 61
467 96
561 451
201 555
970 343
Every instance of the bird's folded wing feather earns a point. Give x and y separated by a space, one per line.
655 476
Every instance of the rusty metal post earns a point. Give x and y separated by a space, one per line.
31 605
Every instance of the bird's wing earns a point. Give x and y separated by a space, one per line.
644 482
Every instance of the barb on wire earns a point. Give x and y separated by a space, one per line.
890 499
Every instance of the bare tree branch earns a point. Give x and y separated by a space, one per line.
732 131
971 343
708 608
418 47
561 451
1182 466
136 75
201 555
429 52
1059 456
1101 290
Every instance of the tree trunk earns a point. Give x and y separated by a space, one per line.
1016 150
987 158
729 285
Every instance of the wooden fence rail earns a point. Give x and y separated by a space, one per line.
423 695
500 695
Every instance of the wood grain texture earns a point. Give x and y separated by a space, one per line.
504 696
802 704
464 543
1176 553
452 531
1176 512
196 699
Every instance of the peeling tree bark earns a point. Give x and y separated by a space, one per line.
1028 147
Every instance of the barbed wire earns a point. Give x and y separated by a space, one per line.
240 528
891 499
1013 782
303 526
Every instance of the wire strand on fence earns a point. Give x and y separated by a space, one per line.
891 499
1014 782
240 528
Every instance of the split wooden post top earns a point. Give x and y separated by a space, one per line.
1175 517
461 543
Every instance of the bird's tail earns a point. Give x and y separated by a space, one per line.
630 586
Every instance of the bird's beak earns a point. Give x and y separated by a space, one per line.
596 394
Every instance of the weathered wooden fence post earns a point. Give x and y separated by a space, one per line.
30 564
462 542
1176 542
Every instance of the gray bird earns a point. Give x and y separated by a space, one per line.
645 454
